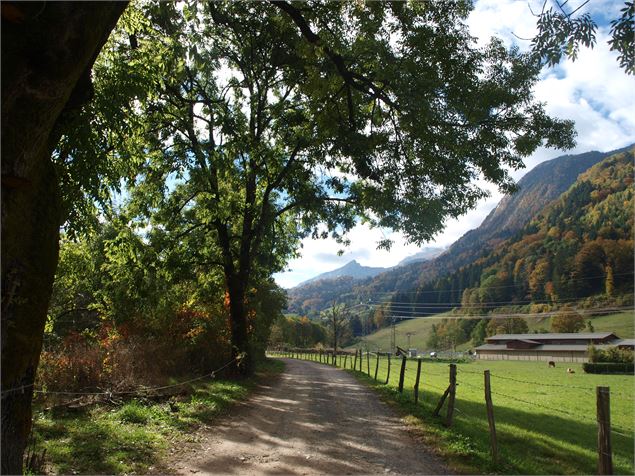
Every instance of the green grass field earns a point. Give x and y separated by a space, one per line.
545 418
623 324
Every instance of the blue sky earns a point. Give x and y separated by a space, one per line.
593 91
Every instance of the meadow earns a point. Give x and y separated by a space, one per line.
622 324
545 417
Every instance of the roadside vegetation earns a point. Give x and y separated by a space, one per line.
545 417
136 435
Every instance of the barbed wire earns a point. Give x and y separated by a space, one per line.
138 392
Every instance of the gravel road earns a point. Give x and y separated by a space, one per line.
314 419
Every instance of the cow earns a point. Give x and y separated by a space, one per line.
570 371
552 363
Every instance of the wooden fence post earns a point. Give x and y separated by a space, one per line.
490 417
417 380
368 362
361 360
377 366
345 357
605 457
355 361
452 398
402 373
388 373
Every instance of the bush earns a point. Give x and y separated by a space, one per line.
612 354
608 368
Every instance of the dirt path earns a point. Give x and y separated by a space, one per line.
315 419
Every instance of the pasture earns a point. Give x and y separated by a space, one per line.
622 324
545 418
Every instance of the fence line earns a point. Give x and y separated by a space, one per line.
446 392
138 392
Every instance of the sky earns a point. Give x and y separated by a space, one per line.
592 91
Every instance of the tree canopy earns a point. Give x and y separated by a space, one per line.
562 30
251 126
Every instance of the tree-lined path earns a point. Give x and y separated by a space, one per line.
315 419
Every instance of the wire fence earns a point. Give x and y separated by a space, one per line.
143 391
358 361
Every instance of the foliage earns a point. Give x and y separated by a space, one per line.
337 320
561 32
507 325
611 355
296 332
608 368
120 299
273 122
567 320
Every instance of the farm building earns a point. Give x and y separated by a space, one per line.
556 347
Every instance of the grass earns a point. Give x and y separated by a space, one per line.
623 324
545 418
136 436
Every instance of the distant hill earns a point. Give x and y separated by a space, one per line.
538 188
351 269
577 251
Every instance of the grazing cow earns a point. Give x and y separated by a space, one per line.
570 371
552 363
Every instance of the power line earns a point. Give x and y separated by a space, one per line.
561 311
479 305
433 315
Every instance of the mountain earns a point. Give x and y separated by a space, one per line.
542 184
426 254
577 252
351 269
538 188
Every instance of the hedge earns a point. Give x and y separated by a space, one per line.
607 368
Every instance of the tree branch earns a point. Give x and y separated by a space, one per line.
352 79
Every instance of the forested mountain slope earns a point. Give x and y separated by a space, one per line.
537 188
580 247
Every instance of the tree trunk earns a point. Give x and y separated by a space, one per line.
48 51
241 349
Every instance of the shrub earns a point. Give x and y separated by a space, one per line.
608 368
612 354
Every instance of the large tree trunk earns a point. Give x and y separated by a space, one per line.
48 49
241 348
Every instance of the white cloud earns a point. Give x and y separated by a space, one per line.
593 91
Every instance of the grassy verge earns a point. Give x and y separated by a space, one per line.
545 418
135 437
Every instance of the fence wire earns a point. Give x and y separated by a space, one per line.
138 392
